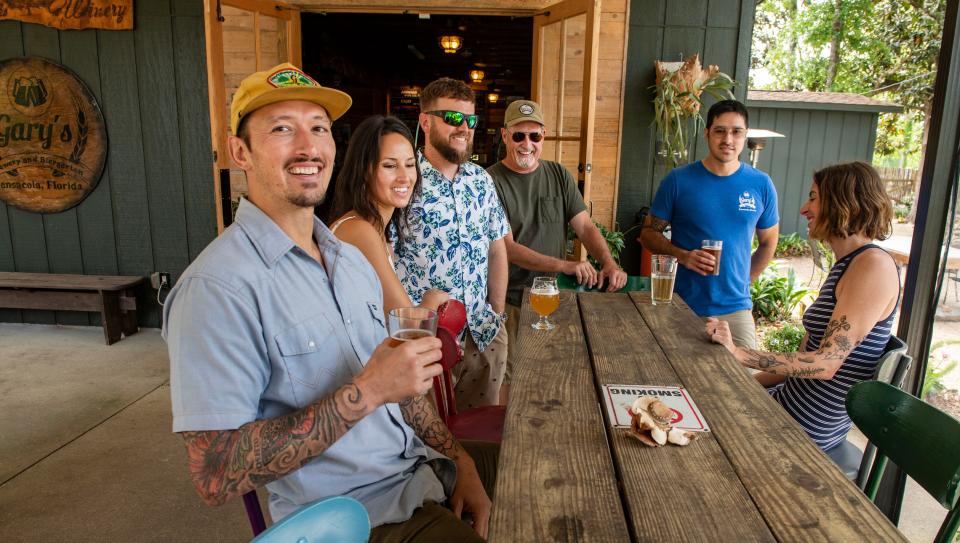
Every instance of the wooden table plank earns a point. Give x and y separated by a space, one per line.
64 281
703 500
800 493
555 479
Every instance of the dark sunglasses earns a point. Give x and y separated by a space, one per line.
518 137
455 118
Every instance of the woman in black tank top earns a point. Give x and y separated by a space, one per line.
849 323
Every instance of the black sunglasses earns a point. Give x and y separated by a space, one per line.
455 118
518 137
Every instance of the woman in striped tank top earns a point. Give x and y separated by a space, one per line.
848 325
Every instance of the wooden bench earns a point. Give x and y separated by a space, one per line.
113 296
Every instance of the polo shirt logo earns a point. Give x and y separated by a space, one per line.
747 202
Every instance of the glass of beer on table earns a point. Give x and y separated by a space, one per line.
544 299
714 247
406 323
663 273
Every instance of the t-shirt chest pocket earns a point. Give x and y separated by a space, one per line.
378 329
550 209
312 357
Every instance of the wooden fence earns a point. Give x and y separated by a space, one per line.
899 181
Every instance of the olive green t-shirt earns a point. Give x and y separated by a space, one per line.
538 205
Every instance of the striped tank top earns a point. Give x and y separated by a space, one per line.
818 404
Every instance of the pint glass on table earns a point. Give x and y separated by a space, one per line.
407 323
544 299
663 273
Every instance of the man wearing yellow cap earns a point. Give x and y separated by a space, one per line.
541 198
280 372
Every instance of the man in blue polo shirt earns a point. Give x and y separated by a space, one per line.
717 198
280 372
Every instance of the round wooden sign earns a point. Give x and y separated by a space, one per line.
53 141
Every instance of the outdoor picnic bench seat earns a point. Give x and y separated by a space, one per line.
113 296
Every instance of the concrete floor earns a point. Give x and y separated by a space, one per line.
86 448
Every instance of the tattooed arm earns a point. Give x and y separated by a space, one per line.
228 463
866 294
468 494
651 235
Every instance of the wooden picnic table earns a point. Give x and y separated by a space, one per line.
566 475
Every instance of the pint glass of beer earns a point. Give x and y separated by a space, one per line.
663 272
544 299
406 323
714 247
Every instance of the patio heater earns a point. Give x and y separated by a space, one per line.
757 140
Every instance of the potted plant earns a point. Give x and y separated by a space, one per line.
677 101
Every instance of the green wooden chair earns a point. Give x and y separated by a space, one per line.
634 283
916 436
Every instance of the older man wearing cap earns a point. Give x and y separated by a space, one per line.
541 198
280 372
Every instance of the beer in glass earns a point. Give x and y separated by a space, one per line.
663 273
544 299
407 323
714 247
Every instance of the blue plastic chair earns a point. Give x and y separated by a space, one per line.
334 520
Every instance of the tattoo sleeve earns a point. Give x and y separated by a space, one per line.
228 463
422 416
835 346
657 224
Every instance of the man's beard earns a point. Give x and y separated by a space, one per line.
525 161
449 153
306 200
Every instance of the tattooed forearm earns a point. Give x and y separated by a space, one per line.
834 349
227 463
422 416
657 224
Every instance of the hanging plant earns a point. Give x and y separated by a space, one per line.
678 89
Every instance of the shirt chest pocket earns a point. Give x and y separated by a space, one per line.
377 330
550 209
313 359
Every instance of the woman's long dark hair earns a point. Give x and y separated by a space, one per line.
356 178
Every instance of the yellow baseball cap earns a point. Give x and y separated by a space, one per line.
522 110
284 82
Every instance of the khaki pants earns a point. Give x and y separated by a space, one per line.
478 377
742 328
435 523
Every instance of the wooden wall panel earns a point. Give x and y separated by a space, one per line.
153 208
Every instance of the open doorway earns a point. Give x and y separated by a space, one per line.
383 60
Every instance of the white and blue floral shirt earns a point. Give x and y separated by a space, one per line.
451 226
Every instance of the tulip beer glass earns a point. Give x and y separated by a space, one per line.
406 323
714 247
544 299
663 272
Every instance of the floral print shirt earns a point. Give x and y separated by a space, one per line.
451 226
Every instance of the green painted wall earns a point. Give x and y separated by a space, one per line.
814 138
153 209
720 30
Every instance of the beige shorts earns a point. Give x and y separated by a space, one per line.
513 323
478 377
742 328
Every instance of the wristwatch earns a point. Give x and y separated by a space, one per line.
503 316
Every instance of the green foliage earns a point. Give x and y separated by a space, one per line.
785 339
886 49
614 239
672 112
775 296
938 366
791 245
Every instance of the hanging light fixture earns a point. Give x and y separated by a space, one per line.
451 43
476 75
493 98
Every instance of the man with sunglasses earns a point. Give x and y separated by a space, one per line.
541 198
455 238
717 198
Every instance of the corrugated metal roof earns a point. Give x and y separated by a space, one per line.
819 99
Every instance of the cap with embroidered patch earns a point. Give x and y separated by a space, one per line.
284 82
522 110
